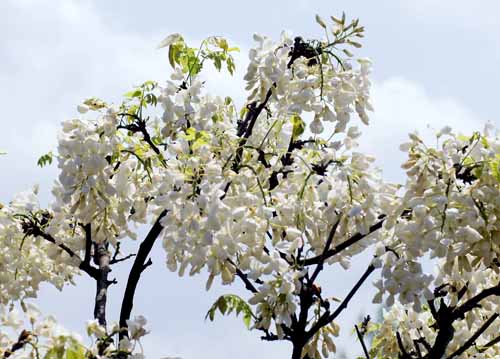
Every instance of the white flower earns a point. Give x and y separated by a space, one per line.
169 40
136 327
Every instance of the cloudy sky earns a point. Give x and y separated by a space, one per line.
435 64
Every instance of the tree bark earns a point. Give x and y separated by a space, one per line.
101 258
298 346
138 267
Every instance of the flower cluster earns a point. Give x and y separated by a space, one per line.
268 195
27 261
254 196
46 338
450 207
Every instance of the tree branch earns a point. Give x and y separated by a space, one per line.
339 248
362 341
446 316
327 318
88 242
84 264
139 126
245 129
101 258
135 273
244 278
328 243
473 338
474 301
21 342
490 344
118 260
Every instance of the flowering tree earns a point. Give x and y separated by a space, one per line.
271 196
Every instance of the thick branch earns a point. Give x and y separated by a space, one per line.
138 267
102 259
88 242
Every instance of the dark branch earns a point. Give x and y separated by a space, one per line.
138 267
88 242
84 265
244 278
490 344
327 318
118 260
362 341
323 257
404 354
22 340
115 258
139 125
474 301
339 248
473 338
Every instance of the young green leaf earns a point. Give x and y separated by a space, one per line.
45 159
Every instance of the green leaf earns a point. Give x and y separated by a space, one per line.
222 43
45 159
495 167
190 134
217 62
76 352
247 318
222 305
230 65
229 303
216 117
173 55
133 93
298 126
56 352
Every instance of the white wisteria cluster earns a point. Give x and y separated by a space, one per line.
452 203
46 338
269 195
27 261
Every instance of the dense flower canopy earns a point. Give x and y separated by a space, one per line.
271 195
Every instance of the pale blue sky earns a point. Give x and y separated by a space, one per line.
435 63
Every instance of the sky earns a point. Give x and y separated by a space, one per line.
435 64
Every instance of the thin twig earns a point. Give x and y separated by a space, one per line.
328 243
362 341
339 248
